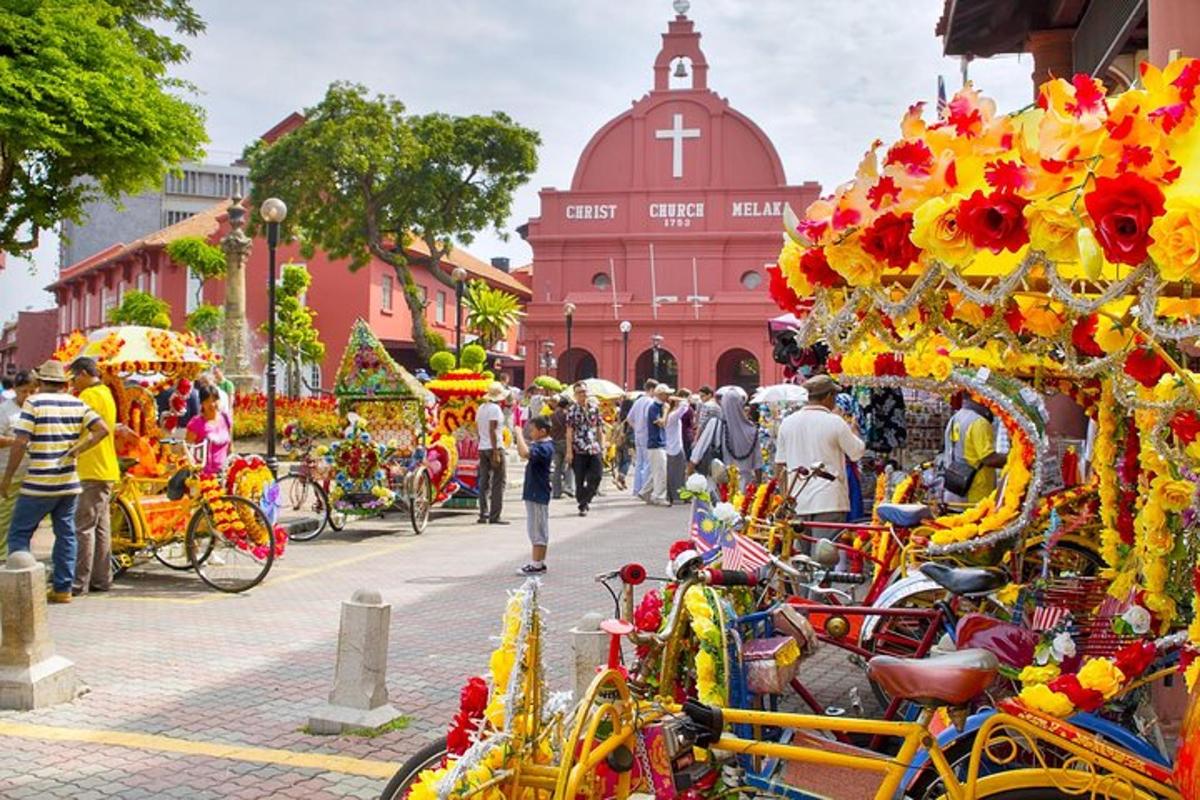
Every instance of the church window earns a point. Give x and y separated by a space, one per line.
385 301
601 281
439 310
751 280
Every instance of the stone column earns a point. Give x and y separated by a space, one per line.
1053 55
1174 25
359 698
236 245
31 674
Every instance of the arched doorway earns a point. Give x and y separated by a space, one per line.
668 368
576 364
738 367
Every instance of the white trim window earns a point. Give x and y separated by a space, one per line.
387 289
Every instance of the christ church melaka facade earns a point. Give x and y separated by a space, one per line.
673 215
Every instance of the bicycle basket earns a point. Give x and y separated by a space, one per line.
1090 610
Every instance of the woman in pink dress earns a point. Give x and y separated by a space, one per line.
213 427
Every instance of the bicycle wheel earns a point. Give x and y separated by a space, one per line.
121 526
303 507
224 562
1075 558
428 757
421 501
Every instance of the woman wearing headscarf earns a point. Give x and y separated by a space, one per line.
731 436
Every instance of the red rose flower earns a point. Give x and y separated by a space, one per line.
678 547
995 221
474 697
1083 699
1133 658
1014 318
887 240
1145 366
780 292
890 364
1122 210
1186 425
1083 336
816 268
833 365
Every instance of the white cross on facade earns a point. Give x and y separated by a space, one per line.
677 133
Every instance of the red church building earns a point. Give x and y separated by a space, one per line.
672 216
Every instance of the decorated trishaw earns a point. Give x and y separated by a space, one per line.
381 462
220 526
1007 257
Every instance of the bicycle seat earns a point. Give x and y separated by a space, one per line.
965 581
177 485
948 680
904 515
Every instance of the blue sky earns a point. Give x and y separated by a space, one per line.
823 78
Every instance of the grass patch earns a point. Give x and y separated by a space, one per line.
398 724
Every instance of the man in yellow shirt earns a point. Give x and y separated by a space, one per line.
98 471
971 438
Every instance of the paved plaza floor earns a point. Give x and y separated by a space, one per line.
196 694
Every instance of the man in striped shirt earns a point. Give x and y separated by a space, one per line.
54 428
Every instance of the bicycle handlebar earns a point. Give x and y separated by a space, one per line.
728 577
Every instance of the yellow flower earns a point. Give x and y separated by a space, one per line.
1101 675
1174 495
1175 245
853 263
1031 675
941 369
1111 335
1052 230
936 231
1089 253
1039 697
1008 595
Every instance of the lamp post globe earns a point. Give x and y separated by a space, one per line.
273 211
459 276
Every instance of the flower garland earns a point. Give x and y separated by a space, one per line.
701 603
166 345
236 523
357 463
1097 681
71 347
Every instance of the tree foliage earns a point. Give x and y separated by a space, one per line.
86 107
202 259
297 340
141 308
362 180
491 312
206 321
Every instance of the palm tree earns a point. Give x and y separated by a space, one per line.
490 312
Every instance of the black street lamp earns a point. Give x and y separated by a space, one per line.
569 314
656 342
626 326
460 278
273 212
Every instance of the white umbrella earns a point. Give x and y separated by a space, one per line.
598 388
780 393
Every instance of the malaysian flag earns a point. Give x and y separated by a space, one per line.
941 99
704 531
715 540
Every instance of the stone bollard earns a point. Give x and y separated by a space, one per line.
359 698
589 650
31 675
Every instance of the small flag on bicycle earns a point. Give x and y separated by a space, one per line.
1046 618
704 531
743 553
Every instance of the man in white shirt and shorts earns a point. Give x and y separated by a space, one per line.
816 433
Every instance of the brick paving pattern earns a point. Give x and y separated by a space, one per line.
164 655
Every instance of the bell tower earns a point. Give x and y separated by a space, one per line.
681 41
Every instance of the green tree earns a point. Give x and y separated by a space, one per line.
141 308
362 180
202 259
206 321
87 110
297 340
491 312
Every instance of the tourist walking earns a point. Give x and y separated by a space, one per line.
98 471
585 447
489 419
641 433
536 492
730 436
677 408
707 409
816 434
23 385
654 491
558 437
54 428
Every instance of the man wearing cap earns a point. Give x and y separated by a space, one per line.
489 419
816 434
54 427
98 471
654 491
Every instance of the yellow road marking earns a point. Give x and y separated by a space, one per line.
272 578
166 744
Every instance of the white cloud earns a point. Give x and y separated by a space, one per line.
822 78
